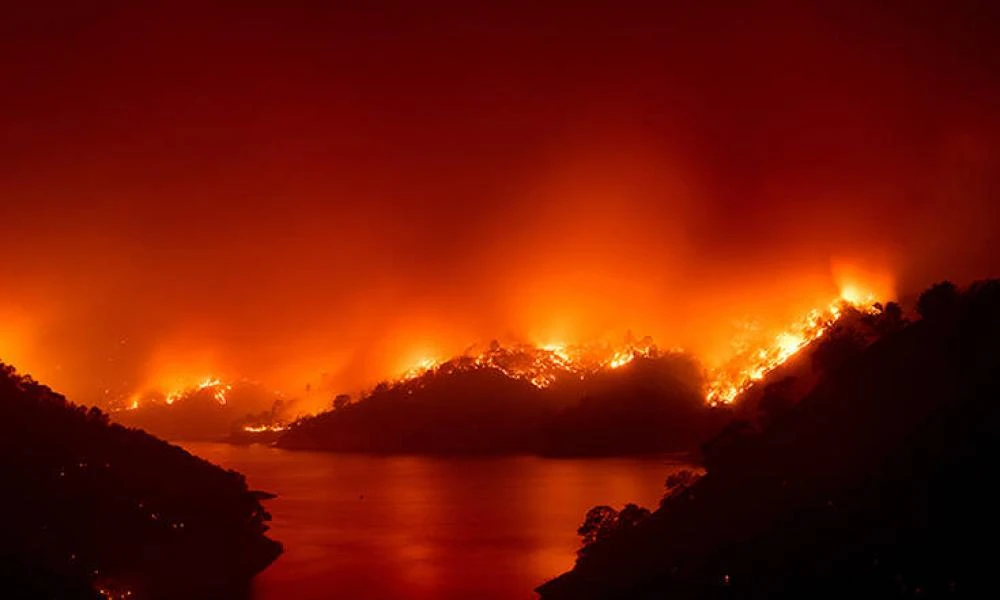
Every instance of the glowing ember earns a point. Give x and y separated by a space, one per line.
109 591
621 359
423 366
263 428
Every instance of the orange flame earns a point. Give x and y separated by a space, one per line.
263 428
217 387
749 366
544 364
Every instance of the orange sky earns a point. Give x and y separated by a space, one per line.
290 191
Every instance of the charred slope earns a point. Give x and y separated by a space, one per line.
649 405
875 485
94 506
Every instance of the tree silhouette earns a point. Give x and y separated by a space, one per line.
938 301
341 401
631 515
598 524
836 348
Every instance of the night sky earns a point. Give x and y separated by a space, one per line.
290 189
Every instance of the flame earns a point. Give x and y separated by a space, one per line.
540 365
751 365
621 359
545 364
263 428
421 367
215 386
219 389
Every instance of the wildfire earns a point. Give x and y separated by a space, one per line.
540 365
263 428
423 366
543 365
219 389
749 366
621 359
216 387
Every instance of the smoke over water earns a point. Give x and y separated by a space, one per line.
308 196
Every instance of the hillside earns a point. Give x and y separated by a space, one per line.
97 510
484 410
207 412
875 484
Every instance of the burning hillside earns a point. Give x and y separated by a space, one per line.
542 366
565 400
759 355
756 354
214 408
207 410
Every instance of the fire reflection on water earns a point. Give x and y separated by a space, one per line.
406 527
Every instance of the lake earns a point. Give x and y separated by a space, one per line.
409 527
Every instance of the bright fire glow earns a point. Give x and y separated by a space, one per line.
218 388
540 365
751 365
621 359
423 366
263 428
545 364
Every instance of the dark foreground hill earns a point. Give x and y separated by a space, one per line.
650 405
877 484
95 510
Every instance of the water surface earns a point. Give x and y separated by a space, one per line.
406 527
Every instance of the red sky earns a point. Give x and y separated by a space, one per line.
280 190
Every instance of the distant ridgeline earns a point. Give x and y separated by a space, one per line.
210 411
653 402
875 482
95 510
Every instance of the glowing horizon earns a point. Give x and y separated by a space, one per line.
724 382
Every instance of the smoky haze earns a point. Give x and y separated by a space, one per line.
299 194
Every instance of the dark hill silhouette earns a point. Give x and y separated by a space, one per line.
461 412
876 484
91 505
649 405
645 407
789 382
